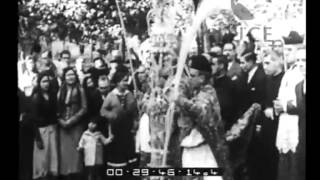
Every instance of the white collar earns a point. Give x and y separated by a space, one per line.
89 133
251 73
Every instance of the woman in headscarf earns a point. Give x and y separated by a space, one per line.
72 105
43 113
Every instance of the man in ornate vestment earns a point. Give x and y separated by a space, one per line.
199 129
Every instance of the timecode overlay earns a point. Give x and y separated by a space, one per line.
164 172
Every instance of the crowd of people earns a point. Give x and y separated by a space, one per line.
82 22
58 104
237 108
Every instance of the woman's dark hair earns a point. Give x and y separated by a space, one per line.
63 89
37 93
65 70
40 76
95 119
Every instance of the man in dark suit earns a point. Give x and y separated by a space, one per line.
253 84
253 81
234 69
224 88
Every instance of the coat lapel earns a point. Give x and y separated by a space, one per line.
254 77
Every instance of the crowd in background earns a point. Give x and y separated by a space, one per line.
80 113
80 22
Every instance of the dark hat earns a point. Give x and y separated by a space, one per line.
200 63
293 38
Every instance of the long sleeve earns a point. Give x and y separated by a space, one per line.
291 109
77 116
205 104
208 101
104 140
35 118
35 110
82 141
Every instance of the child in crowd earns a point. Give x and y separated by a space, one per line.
91 143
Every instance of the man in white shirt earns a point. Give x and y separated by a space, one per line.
253 80
254 91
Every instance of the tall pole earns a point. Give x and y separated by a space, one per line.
125 40
304 16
